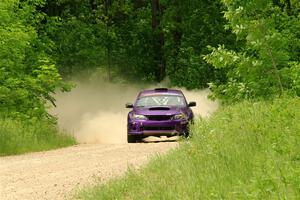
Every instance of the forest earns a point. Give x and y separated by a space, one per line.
241 50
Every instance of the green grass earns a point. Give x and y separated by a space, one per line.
17 137
246 151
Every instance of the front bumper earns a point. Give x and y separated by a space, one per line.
157 128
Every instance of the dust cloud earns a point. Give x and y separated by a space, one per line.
96 113
205 107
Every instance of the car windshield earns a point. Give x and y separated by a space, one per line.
160 100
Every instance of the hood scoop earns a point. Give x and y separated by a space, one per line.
159 108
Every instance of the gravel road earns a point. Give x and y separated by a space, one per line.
58 174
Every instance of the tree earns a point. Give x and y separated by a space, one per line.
158 40
189 27
28 75
265 64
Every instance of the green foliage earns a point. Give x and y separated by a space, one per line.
246 151
21 136
260 43
90 37
120 38
295 77
28 75
189 27
262 66
78 44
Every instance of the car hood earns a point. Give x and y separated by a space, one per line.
159 110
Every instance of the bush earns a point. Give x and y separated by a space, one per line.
18 136
266 65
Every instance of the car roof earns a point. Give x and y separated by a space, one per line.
160 91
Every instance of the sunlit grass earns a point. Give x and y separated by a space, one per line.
246 151
18 137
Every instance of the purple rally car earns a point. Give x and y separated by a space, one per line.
159 112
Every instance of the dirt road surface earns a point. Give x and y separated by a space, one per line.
60 173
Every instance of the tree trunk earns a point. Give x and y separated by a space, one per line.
93 4
107 4
158 41
177 36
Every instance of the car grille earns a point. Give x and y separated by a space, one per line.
155 128
159 117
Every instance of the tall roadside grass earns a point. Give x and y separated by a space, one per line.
18 137
246 151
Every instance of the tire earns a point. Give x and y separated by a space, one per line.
186 133
131 138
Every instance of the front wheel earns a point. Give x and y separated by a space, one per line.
132 138
186 133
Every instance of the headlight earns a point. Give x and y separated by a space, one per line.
140 117
180 116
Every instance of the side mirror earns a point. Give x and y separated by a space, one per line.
192 104
129 105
